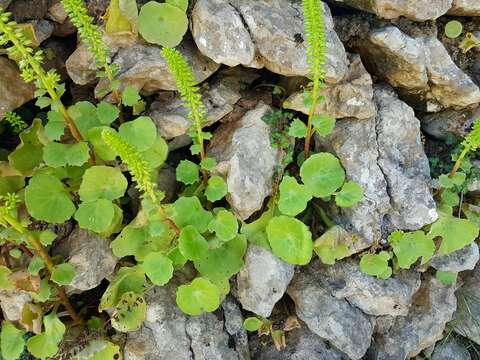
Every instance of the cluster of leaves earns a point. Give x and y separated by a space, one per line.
264 326
457 226
70 167
15 122
453 29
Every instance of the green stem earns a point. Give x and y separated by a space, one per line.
42 252
455 168
313 108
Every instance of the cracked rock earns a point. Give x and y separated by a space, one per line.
351 97
423 326
385 156
369 294
168 334
262 280
420 67
247 159
460 260
419 10
331 318
91 256
262 33
465 8
14 92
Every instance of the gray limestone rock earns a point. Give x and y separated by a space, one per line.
460 260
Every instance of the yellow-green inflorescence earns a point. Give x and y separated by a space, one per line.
314 20
138 167
189 91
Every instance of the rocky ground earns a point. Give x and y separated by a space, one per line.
395 84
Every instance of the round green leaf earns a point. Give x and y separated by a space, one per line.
216 188
198 296
58 155
455 233
63 274
297 129
323 124
446 277
323 174
224 225
188 172
45 345
131 241
208 164
96 215
101 148
189 211
36 264
376 265
162 24
191 243
28 155
294 197
252 324
157 153
102 182
47 199
453 29
11 341
290 239
140 132
181 4
158 268
350 194
130 312
107 113
408 247
130 96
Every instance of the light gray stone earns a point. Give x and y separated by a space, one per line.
451 348
262 281
423 326
419 10
43 29
262 33
171 117
465 8
419 66
14 92
466 320
352 97
81 66
12 302
460 260
91 256
403 162
371 295
247 160
167 333
331 318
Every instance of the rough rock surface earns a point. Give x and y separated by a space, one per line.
385 156
331 318
460 260
171 117
351 97
12 302
420 10
371 295
90 255
247 160
453 122
169 334
14 92
420 66
423 326
467 317
27 9
465 8
302 344
140 65
262 33
451 349
403 162
262 280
